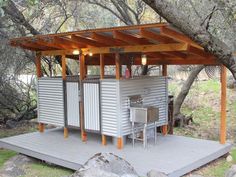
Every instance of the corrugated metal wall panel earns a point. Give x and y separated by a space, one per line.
73 111
154 92
109 107
51 101
91 106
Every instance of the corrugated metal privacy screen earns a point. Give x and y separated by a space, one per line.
114 102
91 96
51 101
73 112
109 107
154 92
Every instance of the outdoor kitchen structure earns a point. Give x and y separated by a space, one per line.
118 106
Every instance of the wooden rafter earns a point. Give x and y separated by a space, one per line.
107 40
129 38
156 37
198 52
47 43
66 42
176 54
86 41
177 36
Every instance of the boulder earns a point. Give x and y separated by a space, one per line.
154 173
231 172
106 165
14 167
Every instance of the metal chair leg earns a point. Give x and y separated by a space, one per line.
155 133
133 133
145 136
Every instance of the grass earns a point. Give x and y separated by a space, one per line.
42 170
5 155
218 170
233 154
208 86
219 167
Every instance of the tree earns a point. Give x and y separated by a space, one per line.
197 30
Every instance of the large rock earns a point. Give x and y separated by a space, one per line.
106 165
15 166
11 124
154 173
231 172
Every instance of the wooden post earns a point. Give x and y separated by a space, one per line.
223 105
104 140
118 70
63 65
164 127
129 66
119 143
41 126
82 76
164 70
102 65
118 75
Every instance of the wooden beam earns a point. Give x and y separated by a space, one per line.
86 41
129 38
223 105
156 37
118 66
123 49
178 36
107 40
102 65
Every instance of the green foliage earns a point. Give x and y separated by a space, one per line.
201 115
41 170
5 155
33 2
218 170
208 86
233 153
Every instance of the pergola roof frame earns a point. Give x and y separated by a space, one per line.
162 43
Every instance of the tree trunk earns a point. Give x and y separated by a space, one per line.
196 31
185 89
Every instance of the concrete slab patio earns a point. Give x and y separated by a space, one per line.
173 155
